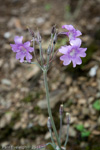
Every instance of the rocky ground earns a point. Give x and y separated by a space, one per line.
23 109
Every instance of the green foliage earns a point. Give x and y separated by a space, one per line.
96 105
47 7
84 132
61 42
27 98
79 127
68 8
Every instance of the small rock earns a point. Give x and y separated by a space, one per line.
47 136
82 101
73 119
86 124
1 62
85 111
68 81
95 132
6 82
83 144
42 120
40 20
32 72
7 35
93 71
90 100
72 132
4 144
6 119
17 125
54 99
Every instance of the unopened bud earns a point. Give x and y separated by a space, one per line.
55 38
39 37
49 123
68 118
61 109
31 32
49 50
53 29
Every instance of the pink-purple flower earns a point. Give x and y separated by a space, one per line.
72 53
22 49
72 32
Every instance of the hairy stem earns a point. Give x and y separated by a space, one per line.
49 109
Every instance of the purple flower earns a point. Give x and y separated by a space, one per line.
22 50
72 32
72 53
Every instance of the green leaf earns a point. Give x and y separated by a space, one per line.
96 105
80 127
85 133
68 8
47 7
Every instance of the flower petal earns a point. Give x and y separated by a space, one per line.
18 39
76 60
27 44
28 57
77 42
65 59
14 47
83 49
64 49
68 27
30 49
78 33
18 55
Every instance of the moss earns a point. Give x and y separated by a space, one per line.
37 110
27 99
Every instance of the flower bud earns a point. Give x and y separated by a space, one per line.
49 50
39 37
68 118
55 38
61 109
31 32
49 123
53 31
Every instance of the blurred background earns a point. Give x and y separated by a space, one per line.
23 109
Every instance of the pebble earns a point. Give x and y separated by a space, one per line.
7 35
40 20
54 99
47 136
93 71
6 82
68 81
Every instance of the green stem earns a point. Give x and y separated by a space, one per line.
60 132
49 109
41 53
52 137
67 136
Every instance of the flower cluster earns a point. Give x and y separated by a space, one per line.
72 52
